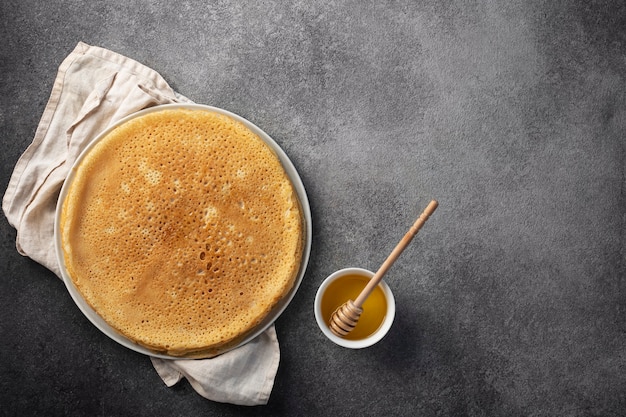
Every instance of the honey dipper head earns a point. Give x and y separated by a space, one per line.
345 318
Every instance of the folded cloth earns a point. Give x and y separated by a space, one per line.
93 89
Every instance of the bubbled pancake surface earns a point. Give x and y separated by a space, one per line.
182 230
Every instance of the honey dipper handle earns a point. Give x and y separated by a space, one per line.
404 242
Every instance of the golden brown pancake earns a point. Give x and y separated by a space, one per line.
182 230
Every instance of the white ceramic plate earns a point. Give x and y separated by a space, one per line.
276 311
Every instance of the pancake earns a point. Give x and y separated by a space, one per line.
182 230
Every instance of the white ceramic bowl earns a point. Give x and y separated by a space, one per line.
291 172
374 337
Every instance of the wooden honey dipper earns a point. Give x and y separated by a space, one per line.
346 316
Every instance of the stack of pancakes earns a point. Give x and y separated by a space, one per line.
182 230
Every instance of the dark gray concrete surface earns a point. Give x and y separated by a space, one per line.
512 299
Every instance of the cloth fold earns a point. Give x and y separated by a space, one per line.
94 88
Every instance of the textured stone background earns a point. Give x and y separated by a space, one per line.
511 301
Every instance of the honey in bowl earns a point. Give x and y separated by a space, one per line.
347 288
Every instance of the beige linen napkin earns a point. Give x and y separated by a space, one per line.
94 88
